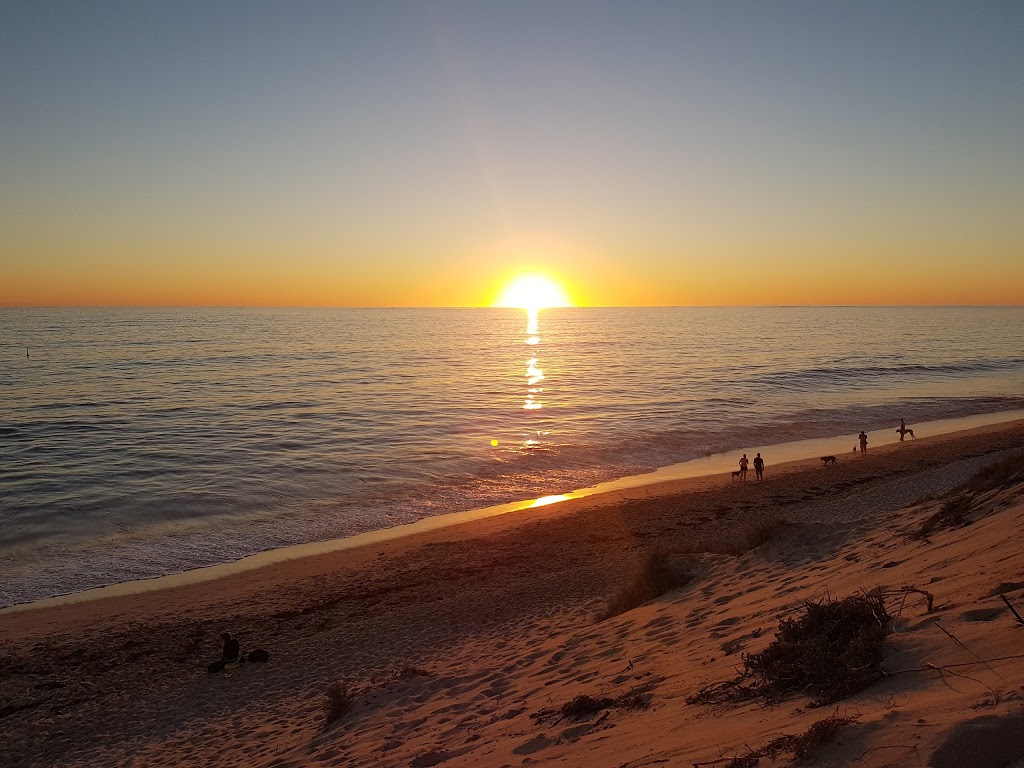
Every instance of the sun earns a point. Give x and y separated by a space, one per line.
533 292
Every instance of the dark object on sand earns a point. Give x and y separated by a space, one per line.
258 655
232 650
655 576
952 514
585 705
834 649
339 702
828 460
802 747
232 656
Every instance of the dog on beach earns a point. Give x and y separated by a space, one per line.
736 475
906 431
826 460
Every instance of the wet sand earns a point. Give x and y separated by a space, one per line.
121 681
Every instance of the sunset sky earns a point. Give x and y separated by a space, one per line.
426 153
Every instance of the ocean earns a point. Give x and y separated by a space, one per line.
141 442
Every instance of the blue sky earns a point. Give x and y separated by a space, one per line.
414 152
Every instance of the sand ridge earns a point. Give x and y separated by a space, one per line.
502 622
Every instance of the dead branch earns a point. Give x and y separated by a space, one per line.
949 634
899 613
928 595
941 670
1012 609
866 752
960 664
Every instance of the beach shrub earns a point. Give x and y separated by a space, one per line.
735 542
952 514
653 578
965 498
801 746
338 703
833 649
999 474
747 538
585 705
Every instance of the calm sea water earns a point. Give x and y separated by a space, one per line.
139 442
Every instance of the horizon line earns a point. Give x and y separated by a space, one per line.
485 306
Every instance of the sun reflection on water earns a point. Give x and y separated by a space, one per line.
534 373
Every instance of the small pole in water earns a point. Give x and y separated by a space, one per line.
26 353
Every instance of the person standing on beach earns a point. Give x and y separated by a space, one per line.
863 442
232 651
902 430
759 467
743 467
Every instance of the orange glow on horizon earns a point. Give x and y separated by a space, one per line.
699 275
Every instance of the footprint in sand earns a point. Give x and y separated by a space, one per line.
981 614
573 733
1006 586
730 647
695 620
434 757
535 744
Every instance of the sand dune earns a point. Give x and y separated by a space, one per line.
462 646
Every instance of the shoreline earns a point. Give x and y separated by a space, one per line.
506 598
664 481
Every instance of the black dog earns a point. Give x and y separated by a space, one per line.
828 460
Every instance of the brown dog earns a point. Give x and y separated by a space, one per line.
826 460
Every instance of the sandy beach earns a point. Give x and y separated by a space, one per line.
457 644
